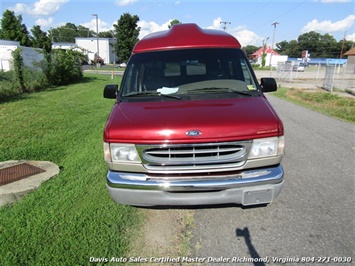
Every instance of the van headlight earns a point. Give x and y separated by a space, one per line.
267 147
119 153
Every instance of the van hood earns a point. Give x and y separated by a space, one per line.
192 121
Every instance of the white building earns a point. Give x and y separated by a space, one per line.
63 45
272 57
30 55
106 47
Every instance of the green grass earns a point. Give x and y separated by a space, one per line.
324 102
71 217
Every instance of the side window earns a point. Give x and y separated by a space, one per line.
246 72
131 79
133 82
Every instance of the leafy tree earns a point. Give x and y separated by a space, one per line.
289 48
173 22
281 47
347 46
106 34
327 46
40 39
310 41
318 45
126 32
12 28
84 32
69 31
249 50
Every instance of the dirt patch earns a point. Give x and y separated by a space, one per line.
164 233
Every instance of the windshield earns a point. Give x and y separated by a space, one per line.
189 74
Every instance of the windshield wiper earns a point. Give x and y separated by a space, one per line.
216 89
151 93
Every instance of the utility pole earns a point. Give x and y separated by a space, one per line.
272 46
225 24
263 57
97 38
342 46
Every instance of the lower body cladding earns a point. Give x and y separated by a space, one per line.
250 187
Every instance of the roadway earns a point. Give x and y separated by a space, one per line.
313 216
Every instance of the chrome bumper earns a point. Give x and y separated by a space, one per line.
249 187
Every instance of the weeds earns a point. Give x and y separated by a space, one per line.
324 102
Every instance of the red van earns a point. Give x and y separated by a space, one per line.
191 125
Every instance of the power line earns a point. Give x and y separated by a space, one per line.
281 15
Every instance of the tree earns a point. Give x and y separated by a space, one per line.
290 48
318 45
173 22
328 46
12 28
310 41
126 32
69 31
40 39
347 46
106 34
249 50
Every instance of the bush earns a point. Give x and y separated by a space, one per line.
59 67
7 84
35 80
19 66
63 67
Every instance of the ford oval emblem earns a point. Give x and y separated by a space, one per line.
193 133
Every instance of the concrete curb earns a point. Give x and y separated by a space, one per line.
14 191
350 91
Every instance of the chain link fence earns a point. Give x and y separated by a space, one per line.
332 76
339 77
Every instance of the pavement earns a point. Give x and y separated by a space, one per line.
12 192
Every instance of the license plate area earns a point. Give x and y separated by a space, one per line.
260 196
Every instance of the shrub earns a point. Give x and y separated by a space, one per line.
63 67
7 84
59 67
35 80
19 66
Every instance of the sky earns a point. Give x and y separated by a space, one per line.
251 22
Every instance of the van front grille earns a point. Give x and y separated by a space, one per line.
194 156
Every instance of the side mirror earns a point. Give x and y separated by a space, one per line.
268 84
110 91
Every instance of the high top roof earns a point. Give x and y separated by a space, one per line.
182 36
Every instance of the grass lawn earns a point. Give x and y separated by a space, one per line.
323 102
71 217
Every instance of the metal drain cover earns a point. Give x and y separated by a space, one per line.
18 172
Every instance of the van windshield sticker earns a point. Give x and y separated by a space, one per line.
167 90
251 87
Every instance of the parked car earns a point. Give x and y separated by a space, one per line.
124 64
299 67
191 125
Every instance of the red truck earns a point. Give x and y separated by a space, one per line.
191 124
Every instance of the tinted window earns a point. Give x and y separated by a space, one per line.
189 72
